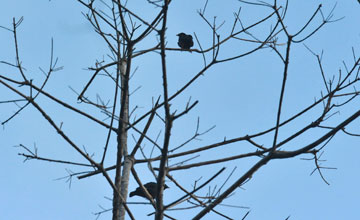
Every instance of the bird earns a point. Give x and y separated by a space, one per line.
185 41
151 187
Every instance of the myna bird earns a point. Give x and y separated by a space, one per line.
150 187
185 41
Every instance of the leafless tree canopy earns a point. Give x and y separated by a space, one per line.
123 29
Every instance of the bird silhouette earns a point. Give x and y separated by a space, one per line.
185 41
151 187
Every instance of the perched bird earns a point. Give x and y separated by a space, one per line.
185 41
150 187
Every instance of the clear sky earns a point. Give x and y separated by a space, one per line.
239 97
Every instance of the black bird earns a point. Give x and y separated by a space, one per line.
185 41
150 187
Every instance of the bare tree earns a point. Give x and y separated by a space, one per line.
123 29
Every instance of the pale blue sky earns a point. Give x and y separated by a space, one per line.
239 97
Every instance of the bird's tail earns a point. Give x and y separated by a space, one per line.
132 194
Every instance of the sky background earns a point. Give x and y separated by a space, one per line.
238 97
